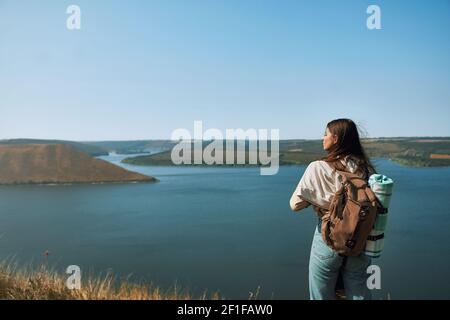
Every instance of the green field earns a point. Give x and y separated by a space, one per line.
414 151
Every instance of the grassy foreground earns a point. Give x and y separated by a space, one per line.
44 284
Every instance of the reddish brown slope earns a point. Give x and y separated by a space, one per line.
58 163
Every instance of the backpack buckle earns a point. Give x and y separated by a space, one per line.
363 213
350 243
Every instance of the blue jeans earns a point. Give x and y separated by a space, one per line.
324 267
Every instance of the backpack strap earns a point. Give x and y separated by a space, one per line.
347 176
339 168
371 195
337 165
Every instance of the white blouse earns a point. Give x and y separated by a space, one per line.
318 184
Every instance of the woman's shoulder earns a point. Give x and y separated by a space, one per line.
320 165
319 168
318 182
349 164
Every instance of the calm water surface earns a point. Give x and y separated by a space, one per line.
221 229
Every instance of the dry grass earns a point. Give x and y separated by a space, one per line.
439 156
431 140
45 284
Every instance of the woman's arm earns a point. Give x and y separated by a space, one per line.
297 203
298 200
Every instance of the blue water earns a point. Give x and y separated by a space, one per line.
221 229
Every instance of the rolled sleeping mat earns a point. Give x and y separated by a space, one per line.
382 186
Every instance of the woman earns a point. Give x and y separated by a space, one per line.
317 187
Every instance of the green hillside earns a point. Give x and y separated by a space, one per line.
133 146
416 151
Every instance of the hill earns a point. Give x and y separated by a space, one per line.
58 163
92 150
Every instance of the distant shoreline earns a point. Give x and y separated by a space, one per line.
49 184
258 166
406 162
413 152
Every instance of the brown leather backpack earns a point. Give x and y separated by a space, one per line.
351 215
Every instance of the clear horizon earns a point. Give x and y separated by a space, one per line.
157 139
143 69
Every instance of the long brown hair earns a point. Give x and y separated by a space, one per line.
348 144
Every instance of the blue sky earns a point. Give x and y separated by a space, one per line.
141 69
